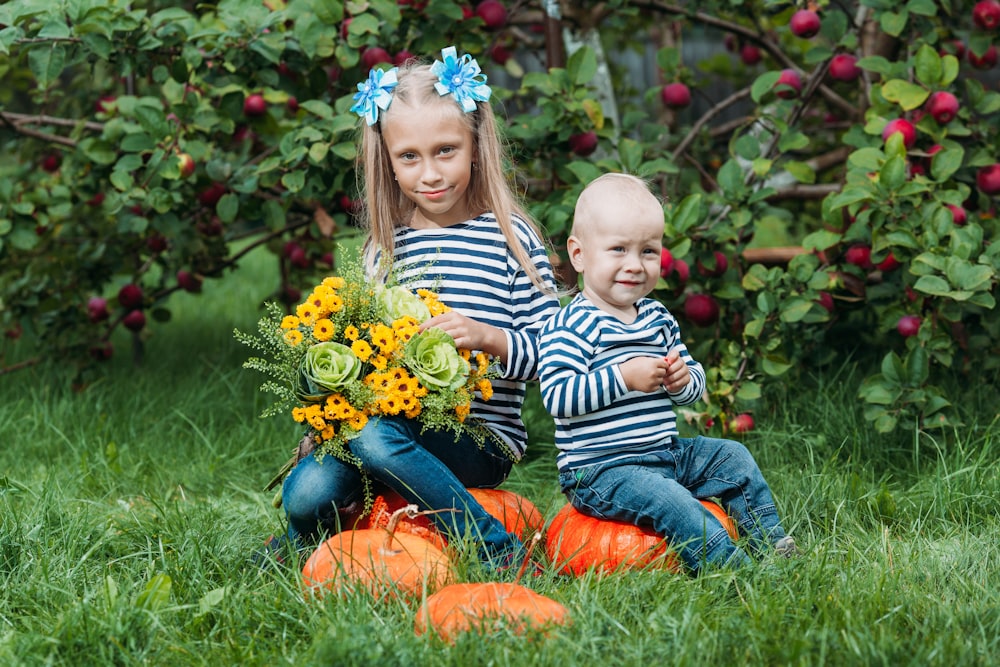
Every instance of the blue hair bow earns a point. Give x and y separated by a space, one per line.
374 94
461 78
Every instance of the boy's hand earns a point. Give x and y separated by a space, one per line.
644 374
677 375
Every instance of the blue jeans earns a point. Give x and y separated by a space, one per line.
430 469
662 490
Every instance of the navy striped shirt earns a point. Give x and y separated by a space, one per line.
597 419
472 270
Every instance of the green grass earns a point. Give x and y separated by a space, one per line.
129 511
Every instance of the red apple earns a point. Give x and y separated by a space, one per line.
211 195
676 95
102 351
943 106
903 126
890 263
51 162
843 67
254 105
666 262
188 281
102 104
96 200
130 296
742 423
986 61
682 270
584 143
493 13
721 264
804 23
156 242
958 214
186 164
988 179
292 103
908 325
349 205
401 57
298 257
97 309
789 84
750 54
986 14
701 309
860 256
826 301
500 54
374 55
134 320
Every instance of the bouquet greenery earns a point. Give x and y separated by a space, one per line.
353 350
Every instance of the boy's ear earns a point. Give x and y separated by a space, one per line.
575 251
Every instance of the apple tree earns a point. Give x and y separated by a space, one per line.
828 171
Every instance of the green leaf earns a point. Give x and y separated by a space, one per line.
876 64
156 594
905 94
730 178
893 173
927 65
821 239
892 368
802 172
660 165
971 277
949 69
630 153
686 214
294 180
582 66
47 62
917 366
893 23
795 308
748 391
228 207
774 364
763 85
98 150
933 285
946 162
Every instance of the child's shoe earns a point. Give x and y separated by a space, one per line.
786 547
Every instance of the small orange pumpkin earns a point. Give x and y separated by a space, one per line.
577 542
518 514
479 607
378 560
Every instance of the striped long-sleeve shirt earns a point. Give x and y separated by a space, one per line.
597 419
472 270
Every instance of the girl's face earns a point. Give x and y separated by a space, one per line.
431 152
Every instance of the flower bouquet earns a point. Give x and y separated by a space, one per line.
353 350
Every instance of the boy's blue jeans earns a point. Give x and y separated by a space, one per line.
430 469
662 489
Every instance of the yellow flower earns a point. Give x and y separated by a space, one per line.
358 421
351 332
293 337
299 414
405 328
462 411
335 303
482 363
362 350
289 322
307 313
390 405
405 386
380 362
382 336
328 433
323 330
485 388
334 282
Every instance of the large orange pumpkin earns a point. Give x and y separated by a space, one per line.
379 560
518 514
482 607
576 542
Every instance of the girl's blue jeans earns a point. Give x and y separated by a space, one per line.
662 490
430 469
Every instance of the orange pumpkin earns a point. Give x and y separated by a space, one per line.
518 514
577 542
480 608
378 560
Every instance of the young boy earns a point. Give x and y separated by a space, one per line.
612 365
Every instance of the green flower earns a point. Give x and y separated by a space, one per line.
397 302
432 357
326 368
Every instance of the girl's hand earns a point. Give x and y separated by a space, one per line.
644 374
678 375
470 334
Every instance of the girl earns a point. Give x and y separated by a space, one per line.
440 211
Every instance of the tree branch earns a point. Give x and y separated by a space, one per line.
706 117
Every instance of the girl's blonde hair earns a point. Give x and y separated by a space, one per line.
385 205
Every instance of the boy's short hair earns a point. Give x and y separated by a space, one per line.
632 189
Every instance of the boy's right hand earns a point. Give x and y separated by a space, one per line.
644 374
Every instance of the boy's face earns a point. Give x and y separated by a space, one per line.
431 152
616 248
